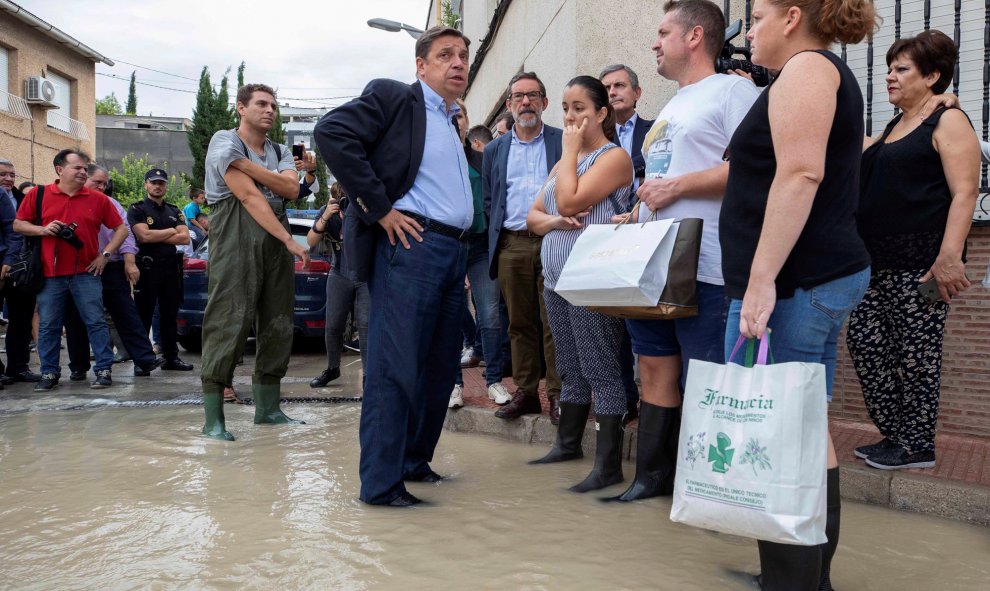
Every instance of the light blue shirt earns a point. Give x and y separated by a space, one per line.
624 133
525 174
442 189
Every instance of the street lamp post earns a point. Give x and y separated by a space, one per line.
394 27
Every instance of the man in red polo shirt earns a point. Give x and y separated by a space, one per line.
71 216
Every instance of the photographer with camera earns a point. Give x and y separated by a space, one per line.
71 217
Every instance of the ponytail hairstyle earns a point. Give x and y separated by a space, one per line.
836 21
599 98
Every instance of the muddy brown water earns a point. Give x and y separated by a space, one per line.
133 499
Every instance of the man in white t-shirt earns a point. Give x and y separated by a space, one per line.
685 178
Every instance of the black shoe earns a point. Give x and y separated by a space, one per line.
881 446
608 455
405 499
570 432
899 458
25 376
177 365
6 380
656 454
328 375
46 382
78 376
429 476
120 358
102 380
143 372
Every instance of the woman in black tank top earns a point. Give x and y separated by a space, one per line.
920 180
791 256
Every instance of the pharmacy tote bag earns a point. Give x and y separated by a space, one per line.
752 454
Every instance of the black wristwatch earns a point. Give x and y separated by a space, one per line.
106 254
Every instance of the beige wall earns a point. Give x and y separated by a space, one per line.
560 39
33 54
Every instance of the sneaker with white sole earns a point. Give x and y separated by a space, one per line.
900 458
498 394
879 447
456 397
469 358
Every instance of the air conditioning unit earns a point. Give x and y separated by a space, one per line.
40 91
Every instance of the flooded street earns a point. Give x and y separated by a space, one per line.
133 498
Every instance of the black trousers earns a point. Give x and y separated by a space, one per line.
161 285
118 302
20 313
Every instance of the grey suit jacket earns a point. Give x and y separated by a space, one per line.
494 184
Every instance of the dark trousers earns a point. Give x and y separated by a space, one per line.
345 297
161 285
20 313
417 298
123 311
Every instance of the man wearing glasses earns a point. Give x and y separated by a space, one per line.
513 171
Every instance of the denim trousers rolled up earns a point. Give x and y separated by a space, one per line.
345 297
87 292
414 337
486 295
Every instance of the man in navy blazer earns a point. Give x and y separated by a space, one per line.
514 169
398 155
624 92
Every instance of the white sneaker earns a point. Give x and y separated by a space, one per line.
456 397
469 358
498 394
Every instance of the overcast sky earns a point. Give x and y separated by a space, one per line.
306 49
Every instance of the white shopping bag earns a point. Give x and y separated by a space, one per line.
753 451
624 265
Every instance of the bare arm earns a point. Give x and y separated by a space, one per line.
29 229
659 193
802 107
285 184
611 171
259 210
540 222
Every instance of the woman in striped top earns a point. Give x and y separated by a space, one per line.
591 183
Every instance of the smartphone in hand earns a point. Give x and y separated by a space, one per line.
297 151
929 291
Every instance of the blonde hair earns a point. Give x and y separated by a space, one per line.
836 21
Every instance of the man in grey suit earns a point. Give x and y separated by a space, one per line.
514 169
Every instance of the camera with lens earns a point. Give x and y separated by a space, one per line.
725 62
67 232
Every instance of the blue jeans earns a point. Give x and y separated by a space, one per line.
486 295
414 340
806 327
87 292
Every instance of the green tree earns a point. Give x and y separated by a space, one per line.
203 126
240 75
277 132
109 105
132 95
225 113
128 182
448 17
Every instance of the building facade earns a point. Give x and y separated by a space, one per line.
32 132
161 141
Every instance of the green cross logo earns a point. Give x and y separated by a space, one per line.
720 455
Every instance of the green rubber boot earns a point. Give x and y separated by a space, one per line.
214 427
266 405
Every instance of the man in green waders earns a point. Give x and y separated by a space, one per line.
252 280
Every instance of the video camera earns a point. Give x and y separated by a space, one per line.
725 62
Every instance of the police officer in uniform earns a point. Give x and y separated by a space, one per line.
159 227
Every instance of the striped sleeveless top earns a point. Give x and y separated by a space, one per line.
557 244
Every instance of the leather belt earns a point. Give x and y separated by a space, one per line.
520 233
438 227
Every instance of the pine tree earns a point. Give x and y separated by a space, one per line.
226 116
132 95
277 132
203 127
240 75
321 175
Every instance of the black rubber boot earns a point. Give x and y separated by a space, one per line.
786 567
833 510
656 453
608 455
570 432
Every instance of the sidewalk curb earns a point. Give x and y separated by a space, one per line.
897 490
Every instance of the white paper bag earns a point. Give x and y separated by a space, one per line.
623 265
753 451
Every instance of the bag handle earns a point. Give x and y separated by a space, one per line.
635 204
762 355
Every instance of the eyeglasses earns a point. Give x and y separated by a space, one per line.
517 97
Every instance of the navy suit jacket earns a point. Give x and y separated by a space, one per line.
494 184
639 134
374 146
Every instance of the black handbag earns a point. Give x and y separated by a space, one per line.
27 273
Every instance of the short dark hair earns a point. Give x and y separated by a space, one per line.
245 92
202 214
62 157
525 76
704 14
633 78
93 167
931 51
23 187
195 192
507 117
425 42
479 132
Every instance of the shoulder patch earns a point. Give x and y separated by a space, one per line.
182 218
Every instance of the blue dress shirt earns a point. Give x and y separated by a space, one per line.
526 171
442 190
624 134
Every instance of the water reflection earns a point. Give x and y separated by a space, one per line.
122 499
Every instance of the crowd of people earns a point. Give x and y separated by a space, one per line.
807 223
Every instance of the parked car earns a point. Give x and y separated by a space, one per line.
309 319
